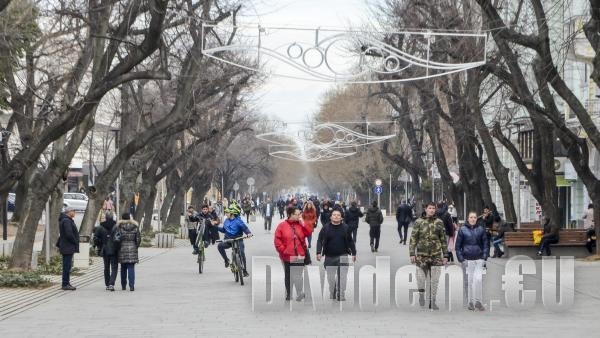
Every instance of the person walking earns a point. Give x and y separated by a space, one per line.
588 226
428 249
352 217
247 208
267 211
443 214
472 250
68 245
130 238
108 248
326 213
309 219
290 239
335 243
375 218
403 217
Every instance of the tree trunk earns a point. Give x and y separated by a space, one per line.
21 194
176 208
56 204
149 209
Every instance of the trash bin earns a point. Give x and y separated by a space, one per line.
81 259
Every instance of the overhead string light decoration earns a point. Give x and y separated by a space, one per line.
324 142
333 55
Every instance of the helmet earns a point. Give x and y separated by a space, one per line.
234 209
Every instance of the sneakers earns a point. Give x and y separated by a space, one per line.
376 250
246 274
226 264
110 288
479 306
500 254
471 307
287 297
131 288
195 252
69 288
300 296
341 298
539 253
123 287
107 288
421 299
433 306
372 248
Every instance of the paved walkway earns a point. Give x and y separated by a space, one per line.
172 299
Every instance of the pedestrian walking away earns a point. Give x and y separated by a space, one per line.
353 216
130 238
403 217
375 218
289 241
335 243
428 250
108 248
68 245
472 249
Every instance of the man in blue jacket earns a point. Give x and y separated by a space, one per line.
234 227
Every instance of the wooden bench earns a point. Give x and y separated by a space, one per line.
571 242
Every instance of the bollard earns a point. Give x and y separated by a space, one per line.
81 259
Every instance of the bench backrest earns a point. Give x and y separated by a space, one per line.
564 236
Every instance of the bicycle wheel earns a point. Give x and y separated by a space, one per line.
235 268
201 259
240 269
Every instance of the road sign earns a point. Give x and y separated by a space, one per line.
378 182
250 181
236 186
378 190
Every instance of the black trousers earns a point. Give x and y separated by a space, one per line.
375 233
590 243
111 265
193 235
403 226
353 231
268 221
293 276
67 264
545 243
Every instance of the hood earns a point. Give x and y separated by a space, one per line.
128 224
373 209
352 208
441 211
108 225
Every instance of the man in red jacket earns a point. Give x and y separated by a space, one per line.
290 243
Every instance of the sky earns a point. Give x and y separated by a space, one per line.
293 100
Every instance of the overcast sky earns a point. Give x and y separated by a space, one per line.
288 99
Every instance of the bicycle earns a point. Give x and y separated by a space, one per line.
200 245
237 263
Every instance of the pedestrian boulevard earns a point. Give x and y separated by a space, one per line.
172 300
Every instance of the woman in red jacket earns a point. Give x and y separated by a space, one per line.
290 238
309 218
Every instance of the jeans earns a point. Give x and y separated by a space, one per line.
67 264
293 276
403 226
353 231
474 270
222 246
496 243
545 243
111 265
590 243
193 235
268 221
375 233
337 265
127 271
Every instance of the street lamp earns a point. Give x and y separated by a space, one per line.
518 124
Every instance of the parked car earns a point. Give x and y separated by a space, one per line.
75 200
11 201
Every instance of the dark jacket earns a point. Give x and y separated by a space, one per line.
352 217
374 216
444 215
472 243
68 240
335 240
404 214
104 238
326 216
551 230
130 241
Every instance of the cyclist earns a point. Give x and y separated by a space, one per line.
233 227
210 219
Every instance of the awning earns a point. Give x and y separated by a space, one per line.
562 182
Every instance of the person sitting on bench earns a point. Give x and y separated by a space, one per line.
550 237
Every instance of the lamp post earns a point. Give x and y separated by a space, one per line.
518 124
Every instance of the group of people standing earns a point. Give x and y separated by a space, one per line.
115 241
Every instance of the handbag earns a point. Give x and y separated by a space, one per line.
307 260
537 236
